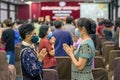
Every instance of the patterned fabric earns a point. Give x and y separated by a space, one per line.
31 67
85 50
30 62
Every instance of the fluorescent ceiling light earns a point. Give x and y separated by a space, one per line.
29 2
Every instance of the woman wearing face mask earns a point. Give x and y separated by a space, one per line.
82 58
47 41
31 61
77 38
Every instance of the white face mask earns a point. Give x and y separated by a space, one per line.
77 33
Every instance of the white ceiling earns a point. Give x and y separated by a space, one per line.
22 1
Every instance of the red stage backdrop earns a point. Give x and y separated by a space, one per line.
23 12
41 10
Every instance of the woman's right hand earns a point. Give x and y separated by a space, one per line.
68 49
42 55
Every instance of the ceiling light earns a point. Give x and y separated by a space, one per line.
29 2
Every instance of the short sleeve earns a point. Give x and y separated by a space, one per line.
85 51
4 36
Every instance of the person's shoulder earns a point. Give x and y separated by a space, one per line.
8 30
44 40
88 41
26 50
66 32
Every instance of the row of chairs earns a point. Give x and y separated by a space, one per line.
64 68
7 71
109 54
64 73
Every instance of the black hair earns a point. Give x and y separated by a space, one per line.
13 24
36 20
84 22
69 20
93 26
101 23
25 29
74 23
58 24
108 23
51 23
43 31
8 22
18 22
10 18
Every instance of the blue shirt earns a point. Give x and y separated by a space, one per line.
62 37
17 37
31 67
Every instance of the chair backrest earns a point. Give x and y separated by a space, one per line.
4 72
17 60
106 43
117 68
7 71
98 42
17 53
100 74
97 53
107 48
12 72
104 47
64 68
50 74
3 61
98 62
112 55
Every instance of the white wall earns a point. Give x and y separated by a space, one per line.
3 11
94 11
12 12
119 8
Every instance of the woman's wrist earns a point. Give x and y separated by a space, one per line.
71 54
40 58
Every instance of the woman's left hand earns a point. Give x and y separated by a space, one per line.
52 40
68 49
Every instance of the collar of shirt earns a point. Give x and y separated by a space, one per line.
27 44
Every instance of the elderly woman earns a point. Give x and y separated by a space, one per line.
31 61
82 58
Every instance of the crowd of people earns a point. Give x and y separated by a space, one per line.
42 41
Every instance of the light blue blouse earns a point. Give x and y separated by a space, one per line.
85 50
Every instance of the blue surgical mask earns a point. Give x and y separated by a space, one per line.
77 32
34 39
49 35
